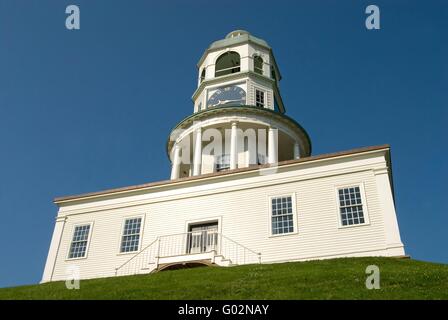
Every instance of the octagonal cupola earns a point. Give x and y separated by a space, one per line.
239 119
238 70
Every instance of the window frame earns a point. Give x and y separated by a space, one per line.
264 98
229 68
273 73
89 236
212 219
260 70
363 201
202 75
123 224
221 166
294 214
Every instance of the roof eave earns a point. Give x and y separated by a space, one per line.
67 199
220 47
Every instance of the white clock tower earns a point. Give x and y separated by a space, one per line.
239 118
222 205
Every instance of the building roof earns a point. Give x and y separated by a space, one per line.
222 173
235 38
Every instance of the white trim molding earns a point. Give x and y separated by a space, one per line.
89 237
204 220
294 214
394 244
123 223
365 209
53 252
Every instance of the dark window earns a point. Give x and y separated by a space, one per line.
227 63
223 162
258 64
261 159
259 98
273 74
203 75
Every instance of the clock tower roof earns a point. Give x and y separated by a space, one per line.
236 33
238 36
233 38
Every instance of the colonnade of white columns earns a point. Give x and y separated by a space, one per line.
197 154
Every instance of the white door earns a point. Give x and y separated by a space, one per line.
202 238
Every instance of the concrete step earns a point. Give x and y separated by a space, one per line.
222 261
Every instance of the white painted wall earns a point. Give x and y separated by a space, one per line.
241 202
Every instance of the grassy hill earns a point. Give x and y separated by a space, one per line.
328 279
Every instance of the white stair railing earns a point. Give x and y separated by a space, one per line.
189 243
142 262
237 253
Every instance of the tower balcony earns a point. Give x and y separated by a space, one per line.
228 138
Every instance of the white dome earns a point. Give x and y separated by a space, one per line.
236 33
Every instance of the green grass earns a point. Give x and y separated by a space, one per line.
327 279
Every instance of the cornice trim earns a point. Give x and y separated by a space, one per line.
225 174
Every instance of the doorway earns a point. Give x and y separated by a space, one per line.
202 237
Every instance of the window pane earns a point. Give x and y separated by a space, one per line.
222 162
78 246
350 206
203 75
258 65
259 98
282 219
131 235
273 75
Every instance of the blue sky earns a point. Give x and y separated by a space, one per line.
89 110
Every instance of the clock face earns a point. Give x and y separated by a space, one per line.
227 96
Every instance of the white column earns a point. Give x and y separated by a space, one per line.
272 145
197 153
296 151
54 249
233 147
175 168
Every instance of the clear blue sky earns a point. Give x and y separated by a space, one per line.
88 110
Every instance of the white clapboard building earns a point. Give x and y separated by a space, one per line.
244 188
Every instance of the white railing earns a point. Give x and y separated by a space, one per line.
142 262
236 253
178 246
188 243
222 162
